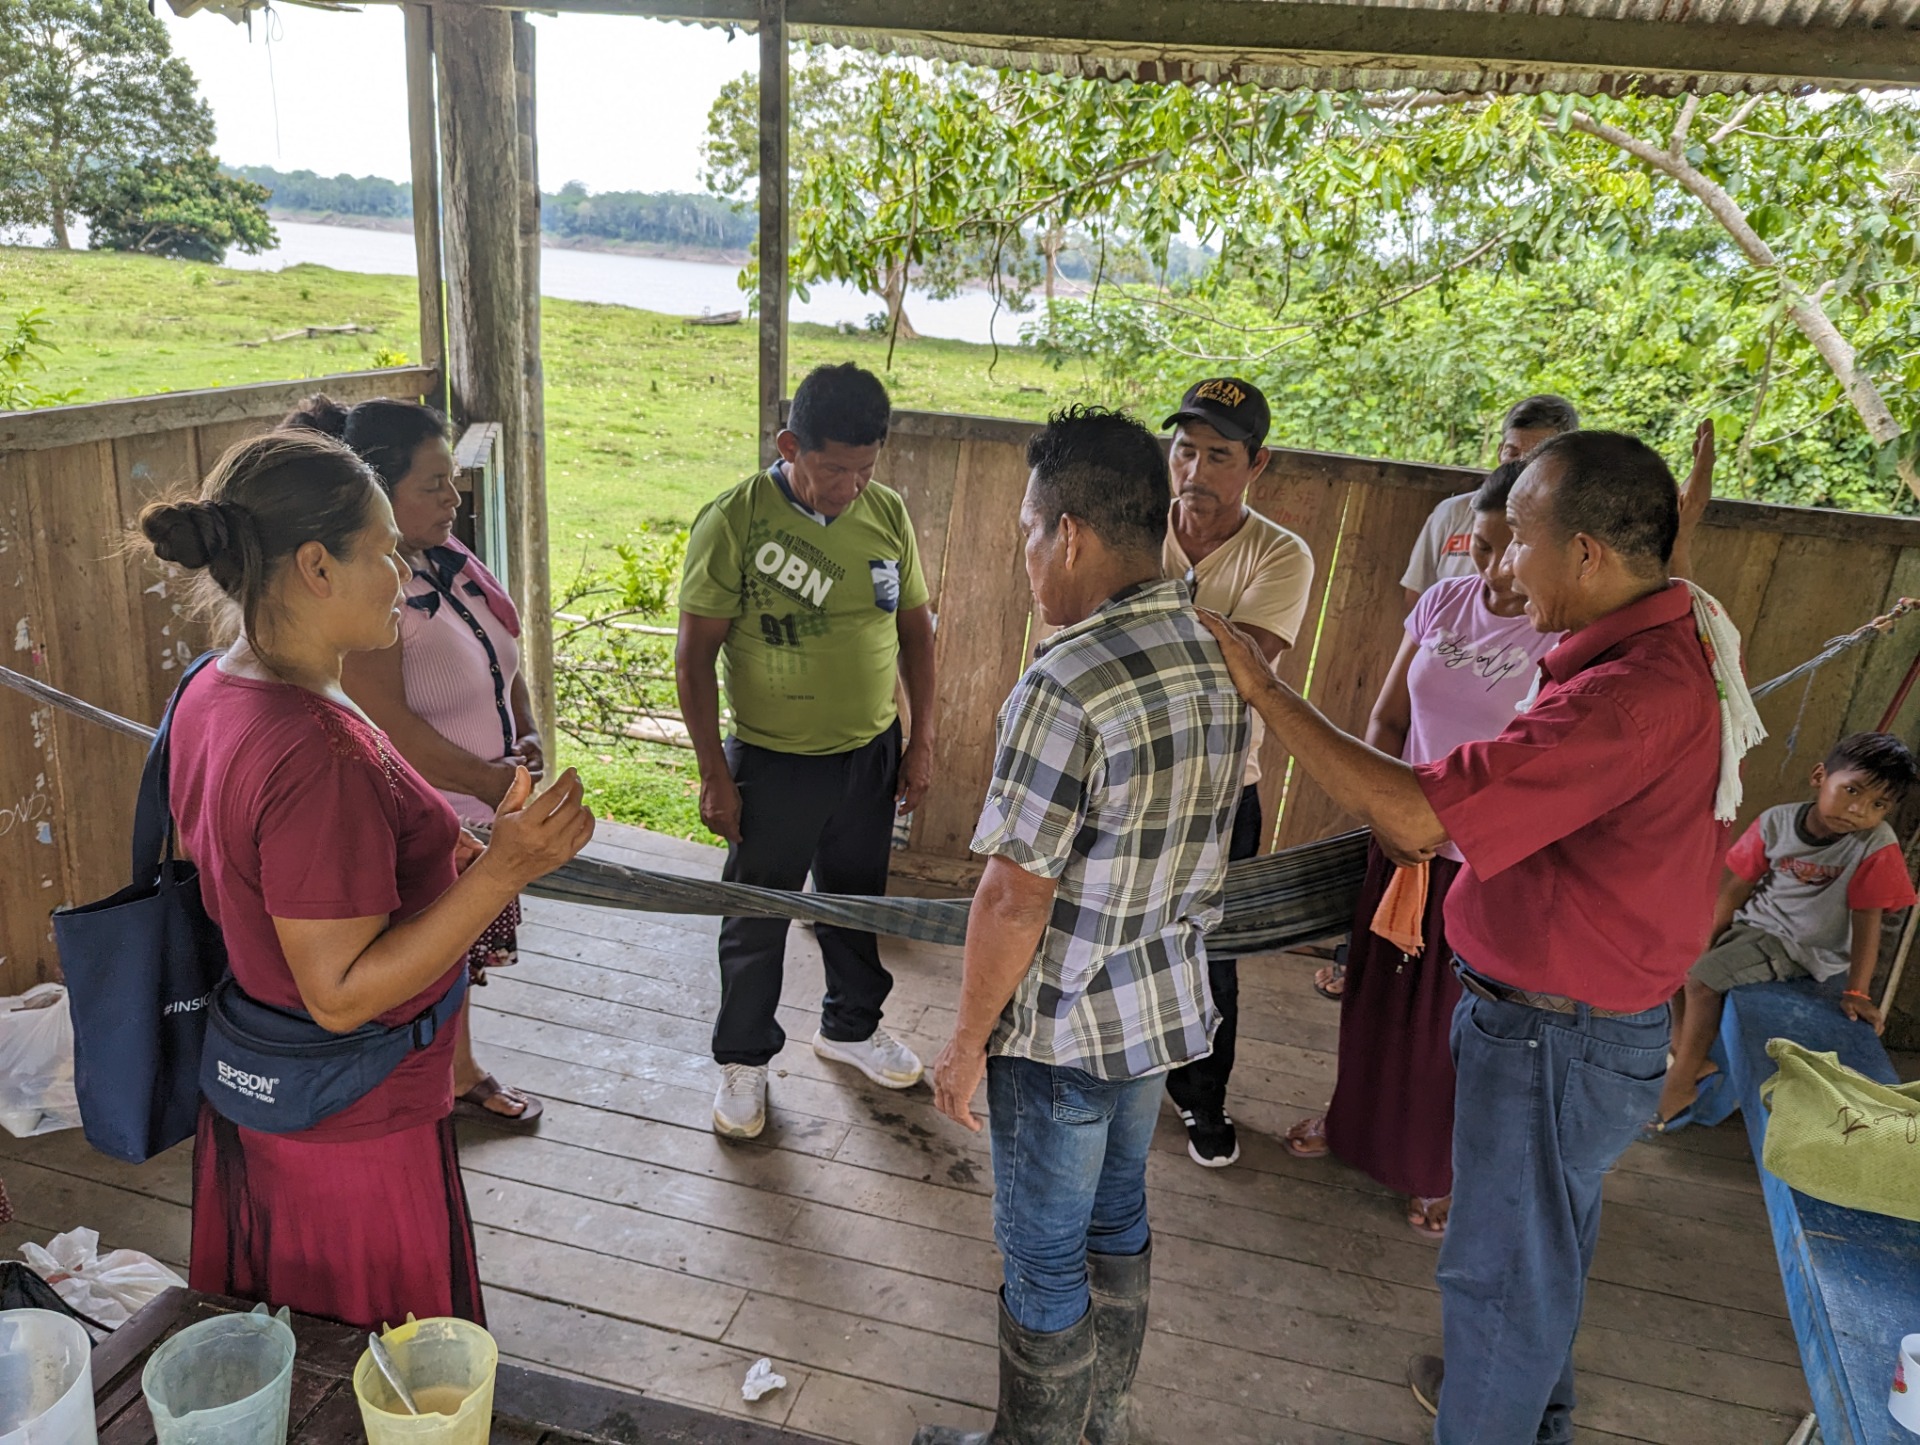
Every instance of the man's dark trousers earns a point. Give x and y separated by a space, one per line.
1201 1086
1545 1104
831 815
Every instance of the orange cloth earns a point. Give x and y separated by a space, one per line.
1403 908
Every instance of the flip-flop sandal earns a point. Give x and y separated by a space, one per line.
1308 1139
1657 1126
1330 982
1420 1216
473 1105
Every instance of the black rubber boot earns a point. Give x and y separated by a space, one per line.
1046 1381
1120 1285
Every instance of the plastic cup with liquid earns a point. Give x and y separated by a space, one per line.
448 1366
46 1380
224 1381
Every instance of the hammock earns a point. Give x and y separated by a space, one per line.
1276 901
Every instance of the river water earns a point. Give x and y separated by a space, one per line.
679 288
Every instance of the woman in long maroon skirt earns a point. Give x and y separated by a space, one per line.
1466 663
335 874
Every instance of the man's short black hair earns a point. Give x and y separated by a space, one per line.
1493 493
1106 469
1545 412
1881 756
844 404
1615 488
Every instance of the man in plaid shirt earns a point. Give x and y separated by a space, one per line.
1105 829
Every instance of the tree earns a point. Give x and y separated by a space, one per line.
1329 210
90 85
188 208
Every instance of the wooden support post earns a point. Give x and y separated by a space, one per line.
424 141
486 295
536 601
773 221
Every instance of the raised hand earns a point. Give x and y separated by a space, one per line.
535 834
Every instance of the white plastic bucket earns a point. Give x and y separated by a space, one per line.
46 1380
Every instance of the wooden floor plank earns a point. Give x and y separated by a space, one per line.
623 1242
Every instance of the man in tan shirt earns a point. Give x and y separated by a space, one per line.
1258 574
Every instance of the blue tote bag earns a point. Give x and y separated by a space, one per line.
140 967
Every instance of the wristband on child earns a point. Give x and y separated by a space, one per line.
1855 993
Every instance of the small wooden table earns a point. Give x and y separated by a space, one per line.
530 1407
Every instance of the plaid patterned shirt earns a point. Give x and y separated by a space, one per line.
1117 773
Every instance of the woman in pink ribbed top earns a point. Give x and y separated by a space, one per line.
449 692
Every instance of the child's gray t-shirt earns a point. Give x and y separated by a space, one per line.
1809 888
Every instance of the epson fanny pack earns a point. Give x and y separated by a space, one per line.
277 1071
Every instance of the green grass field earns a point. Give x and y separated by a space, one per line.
647 417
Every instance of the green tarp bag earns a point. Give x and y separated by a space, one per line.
1837 1135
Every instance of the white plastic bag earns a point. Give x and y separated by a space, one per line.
36 1063
110 1288
761 1380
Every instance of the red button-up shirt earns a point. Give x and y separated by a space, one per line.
1592 852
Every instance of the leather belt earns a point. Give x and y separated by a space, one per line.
1552 1003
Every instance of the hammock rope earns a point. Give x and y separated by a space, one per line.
1275 901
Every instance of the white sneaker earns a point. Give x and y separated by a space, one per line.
882 1058
740 1107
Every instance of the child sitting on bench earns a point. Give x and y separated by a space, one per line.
1802 897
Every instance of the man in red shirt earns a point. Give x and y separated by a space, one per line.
1592 859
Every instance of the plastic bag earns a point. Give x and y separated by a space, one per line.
761 1380
36 1063
1837 1135
110 1288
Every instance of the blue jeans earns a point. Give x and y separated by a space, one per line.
1069 1179
1545 1105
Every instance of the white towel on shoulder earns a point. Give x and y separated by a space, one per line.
1741 730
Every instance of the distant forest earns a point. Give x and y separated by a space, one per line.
666 218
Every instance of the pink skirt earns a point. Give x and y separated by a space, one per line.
363 1232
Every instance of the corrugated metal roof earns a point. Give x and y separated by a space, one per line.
1656 46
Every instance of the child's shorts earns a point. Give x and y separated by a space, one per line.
1744 955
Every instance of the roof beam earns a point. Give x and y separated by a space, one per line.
1299 32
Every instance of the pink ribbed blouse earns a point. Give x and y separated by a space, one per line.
449 679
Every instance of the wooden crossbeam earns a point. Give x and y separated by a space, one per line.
1351 36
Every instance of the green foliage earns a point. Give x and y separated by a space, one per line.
188 209
663 218
342 195
1790 223
23 348
667 218
90 86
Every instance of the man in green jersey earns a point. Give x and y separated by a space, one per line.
804 583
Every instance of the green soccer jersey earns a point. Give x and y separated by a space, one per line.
810 659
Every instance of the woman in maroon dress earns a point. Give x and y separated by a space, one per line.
342 884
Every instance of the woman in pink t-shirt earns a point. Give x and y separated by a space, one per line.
449 692
341 882
1465 665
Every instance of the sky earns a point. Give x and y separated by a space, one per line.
622 101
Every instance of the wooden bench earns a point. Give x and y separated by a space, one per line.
1852 1279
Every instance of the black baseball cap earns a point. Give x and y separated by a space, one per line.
1234 408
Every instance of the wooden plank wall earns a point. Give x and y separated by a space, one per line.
1791 577
80 613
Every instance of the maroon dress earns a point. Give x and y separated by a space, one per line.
296 808
1392 1109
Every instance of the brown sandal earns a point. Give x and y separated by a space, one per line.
1421 1212
1308 1139
474 1105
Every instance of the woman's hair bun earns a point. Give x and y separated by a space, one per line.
320 413
192 534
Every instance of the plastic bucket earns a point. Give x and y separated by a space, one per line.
448 1366
224 1381
46 1380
